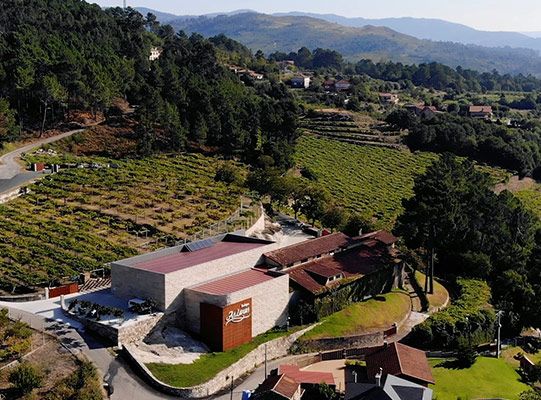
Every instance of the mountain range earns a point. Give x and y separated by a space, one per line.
397 39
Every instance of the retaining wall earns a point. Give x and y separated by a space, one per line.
120 336
372 339
275 349
5 197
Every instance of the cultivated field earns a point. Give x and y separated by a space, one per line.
81 218
364 179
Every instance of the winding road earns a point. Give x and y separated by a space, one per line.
12 174
47 314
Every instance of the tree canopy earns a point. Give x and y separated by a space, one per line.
511 148
57 55
476 233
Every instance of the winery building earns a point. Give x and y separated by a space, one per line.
210 287
229 289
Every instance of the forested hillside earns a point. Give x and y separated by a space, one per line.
271 33
57 55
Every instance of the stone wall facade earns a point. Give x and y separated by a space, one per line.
133 332
129 283
258 226
269 304
275 349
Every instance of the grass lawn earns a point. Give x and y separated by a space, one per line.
208 365
440 295
487 378
367 316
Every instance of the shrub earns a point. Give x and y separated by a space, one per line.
466 356
83 384
227 173
25 378
469 319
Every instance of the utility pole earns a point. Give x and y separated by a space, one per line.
498 340
231 397
265 360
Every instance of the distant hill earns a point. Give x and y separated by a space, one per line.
532 34
163 17
437 29
289 33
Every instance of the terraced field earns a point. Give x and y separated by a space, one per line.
81 218
365 179
351 128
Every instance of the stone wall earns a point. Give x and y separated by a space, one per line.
175 282
128 283
270 301
371 339
269 304
351 342
275 349
132 332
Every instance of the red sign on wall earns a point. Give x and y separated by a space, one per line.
228 327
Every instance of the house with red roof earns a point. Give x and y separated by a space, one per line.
401 361
389 98
278 387
481 112
307 378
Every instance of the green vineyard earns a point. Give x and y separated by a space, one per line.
81 218
369 180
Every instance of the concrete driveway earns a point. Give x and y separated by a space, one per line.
46 314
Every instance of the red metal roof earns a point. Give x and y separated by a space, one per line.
481 109
283 385
308 249
183 260
399 360
307 377
234 283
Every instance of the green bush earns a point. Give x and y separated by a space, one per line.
469 319
227 173
25 378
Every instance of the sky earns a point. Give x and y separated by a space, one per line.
493 15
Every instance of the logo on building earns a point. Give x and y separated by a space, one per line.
238 315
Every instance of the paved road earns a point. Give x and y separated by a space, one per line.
253 380
47 314
9 162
